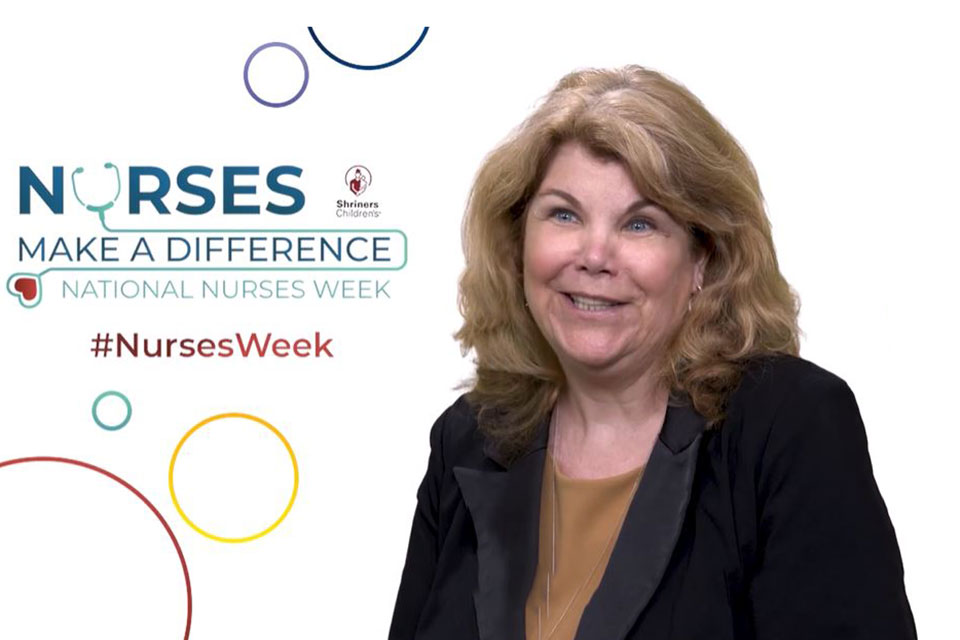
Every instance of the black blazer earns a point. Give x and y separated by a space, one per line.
770 528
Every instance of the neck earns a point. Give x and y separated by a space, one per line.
617 418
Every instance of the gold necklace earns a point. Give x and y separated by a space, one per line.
553 541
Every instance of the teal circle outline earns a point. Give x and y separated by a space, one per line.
124 422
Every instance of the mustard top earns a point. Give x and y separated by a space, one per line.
590 513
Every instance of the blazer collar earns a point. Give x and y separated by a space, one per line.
505 508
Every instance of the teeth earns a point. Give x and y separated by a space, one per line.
591 304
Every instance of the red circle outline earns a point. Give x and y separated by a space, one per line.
132 489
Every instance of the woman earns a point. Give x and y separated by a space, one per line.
642 454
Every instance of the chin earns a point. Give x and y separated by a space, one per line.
592 359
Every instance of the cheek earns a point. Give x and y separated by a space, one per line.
541 259
662 274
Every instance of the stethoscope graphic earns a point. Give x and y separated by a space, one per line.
99 208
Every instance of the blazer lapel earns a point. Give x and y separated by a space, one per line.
649 532
505 508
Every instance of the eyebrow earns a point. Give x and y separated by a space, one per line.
636 206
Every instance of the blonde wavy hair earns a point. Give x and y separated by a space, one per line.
682 159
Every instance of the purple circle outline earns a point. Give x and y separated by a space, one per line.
246 74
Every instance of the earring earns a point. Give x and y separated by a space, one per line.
692 295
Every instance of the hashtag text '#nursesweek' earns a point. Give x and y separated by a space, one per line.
251 345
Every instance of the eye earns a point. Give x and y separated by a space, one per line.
639 225
563 215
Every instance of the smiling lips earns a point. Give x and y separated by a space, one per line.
591 303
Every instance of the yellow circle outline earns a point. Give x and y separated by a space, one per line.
293 459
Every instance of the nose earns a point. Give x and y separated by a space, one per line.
597 251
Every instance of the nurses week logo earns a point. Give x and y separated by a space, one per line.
140 258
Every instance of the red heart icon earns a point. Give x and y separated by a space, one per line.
27 287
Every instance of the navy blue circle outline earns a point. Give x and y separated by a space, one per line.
368 67
246 74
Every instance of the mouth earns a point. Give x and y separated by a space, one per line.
591 303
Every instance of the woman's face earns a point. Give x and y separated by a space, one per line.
607 275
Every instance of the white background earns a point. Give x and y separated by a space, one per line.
847 110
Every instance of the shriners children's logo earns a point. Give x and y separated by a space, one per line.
358 178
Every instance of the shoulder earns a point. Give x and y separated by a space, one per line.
456 433
786 397
794 445
458 417
819 549
780 373
770 380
